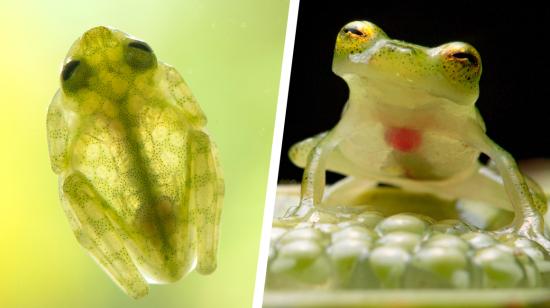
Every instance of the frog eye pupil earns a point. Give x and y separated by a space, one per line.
69 69
353 31
466 56
140 45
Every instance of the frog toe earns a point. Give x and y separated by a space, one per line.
536 236
528 231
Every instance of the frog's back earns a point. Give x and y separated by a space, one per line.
135 154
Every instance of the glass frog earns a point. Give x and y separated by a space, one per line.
410 121
139 177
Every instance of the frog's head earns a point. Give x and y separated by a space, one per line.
451 70
105 61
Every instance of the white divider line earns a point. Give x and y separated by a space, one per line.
275 153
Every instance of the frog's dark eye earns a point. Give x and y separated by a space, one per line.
353 31
140 45
74 75
69 69
465 57
139 55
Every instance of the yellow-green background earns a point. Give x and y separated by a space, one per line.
230 54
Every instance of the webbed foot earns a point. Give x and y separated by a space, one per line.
531 229
295 215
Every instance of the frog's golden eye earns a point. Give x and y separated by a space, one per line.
465 57
355 37
461 64
354 31
139 55
69 69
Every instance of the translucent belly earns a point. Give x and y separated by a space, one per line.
403 153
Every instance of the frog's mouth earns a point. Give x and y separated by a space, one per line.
398 91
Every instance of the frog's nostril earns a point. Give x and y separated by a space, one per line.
466 56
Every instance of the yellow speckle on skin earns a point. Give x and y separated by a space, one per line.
142 83
113 54
119 85
89 106
184 90
133 201
135 103
93 58
102 172
160 134
92 151
176 139
110 109
105 76
169 159
148 146
117 127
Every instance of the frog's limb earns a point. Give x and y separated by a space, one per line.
313 181
347 190
526 202
312 154
97 233
299 152
206 198
58 134
465 185
171 82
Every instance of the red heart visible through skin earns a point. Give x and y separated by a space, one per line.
403 139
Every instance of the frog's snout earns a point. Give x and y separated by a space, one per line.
397 47
98 37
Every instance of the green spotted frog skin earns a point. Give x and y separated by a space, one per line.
411 121
139 177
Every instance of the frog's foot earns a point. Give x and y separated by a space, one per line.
310 215
530 230
295 215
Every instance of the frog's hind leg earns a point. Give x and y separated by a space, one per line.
206 187
95 230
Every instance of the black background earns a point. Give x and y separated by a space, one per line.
511 39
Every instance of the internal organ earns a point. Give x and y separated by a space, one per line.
403 139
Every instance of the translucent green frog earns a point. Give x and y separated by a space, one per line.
410 121
139 178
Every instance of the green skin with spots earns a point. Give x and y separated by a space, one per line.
411 121
139 177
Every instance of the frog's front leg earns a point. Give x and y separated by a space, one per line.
206 190
96 231
527 202
313 181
